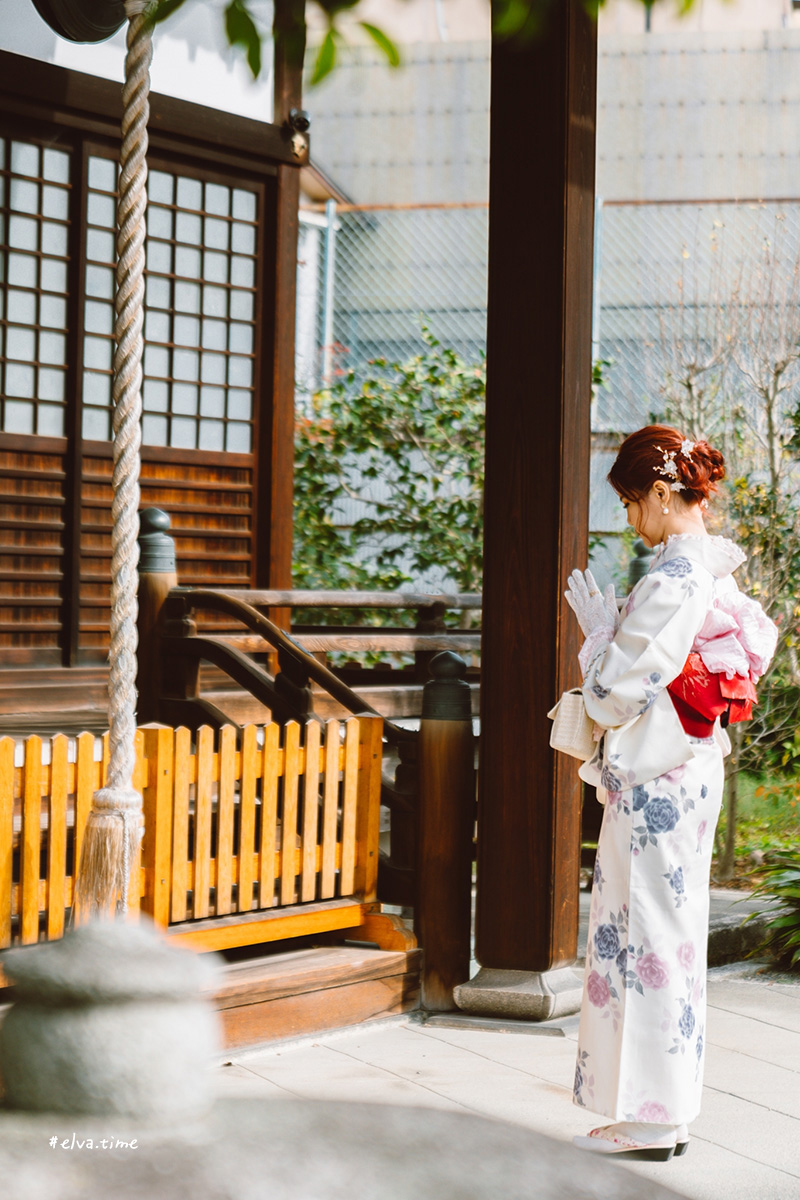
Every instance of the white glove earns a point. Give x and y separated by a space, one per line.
595 610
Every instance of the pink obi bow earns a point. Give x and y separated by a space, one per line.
737 638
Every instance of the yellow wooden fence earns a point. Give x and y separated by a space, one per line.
273 837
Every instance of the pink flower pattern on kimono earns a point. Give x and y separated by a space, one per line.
644 1104
673 776
652 1112
652 971
598 990
685 955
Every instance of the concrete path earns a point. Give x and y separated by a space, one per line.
745 1145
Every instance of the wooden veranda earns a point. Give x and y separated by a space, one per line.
235 509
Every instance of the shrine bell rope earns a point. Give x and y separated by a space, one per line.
114 826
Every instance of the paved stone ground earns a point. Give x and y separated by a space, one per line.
745 1145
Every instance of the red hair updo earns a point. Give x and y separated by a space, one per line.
641 462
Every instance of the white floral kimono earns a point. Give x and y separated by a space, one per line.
642 1026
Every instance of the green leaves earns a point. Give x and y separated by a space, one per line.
522 19
389 476
241 31
518 18
240 28
383 42
781 883
162 9
326 58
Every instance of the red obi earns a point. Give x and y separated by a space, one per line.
700 696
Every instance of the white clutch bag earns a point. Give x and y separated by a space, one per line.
573 728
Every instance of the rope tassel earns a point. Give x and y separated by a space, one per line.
110 848
114 826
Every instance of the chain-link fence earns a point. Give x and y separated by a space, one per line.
687 298
695 303
673 281
696 320
369 278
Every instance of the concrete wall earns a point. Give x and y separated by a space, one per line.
419 134
699 116
705 16
412 22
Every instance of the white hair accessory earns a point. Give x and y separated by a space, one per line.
670 467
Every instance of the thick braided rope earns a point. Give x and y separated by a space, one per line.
114 827
127 386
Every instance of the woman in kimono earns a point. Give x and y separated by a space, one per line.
686 647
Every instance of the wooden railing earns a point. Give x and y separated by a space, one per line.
249 837
287 678
273 660
429 634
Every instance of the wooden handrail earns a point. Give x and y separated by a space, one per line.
225 656
358 640
306 598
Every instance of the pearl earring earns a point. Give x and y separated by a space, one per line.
665 510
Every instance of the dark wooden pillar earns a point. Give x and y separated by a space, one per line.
537 485
273 532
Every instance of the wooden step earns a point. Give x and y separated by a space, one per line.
239 706
390 701
309 991
52 700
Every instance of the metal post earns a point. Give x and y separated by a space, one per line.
329 264
597 266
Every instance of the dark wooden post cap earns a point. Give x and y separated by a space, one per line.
640 564
156 547
447 696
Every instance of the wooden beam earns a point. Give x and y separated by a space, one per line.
272 528
44 92
70 633
537 491
289 40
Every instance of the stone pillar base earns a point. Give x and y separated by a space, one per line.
524 995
